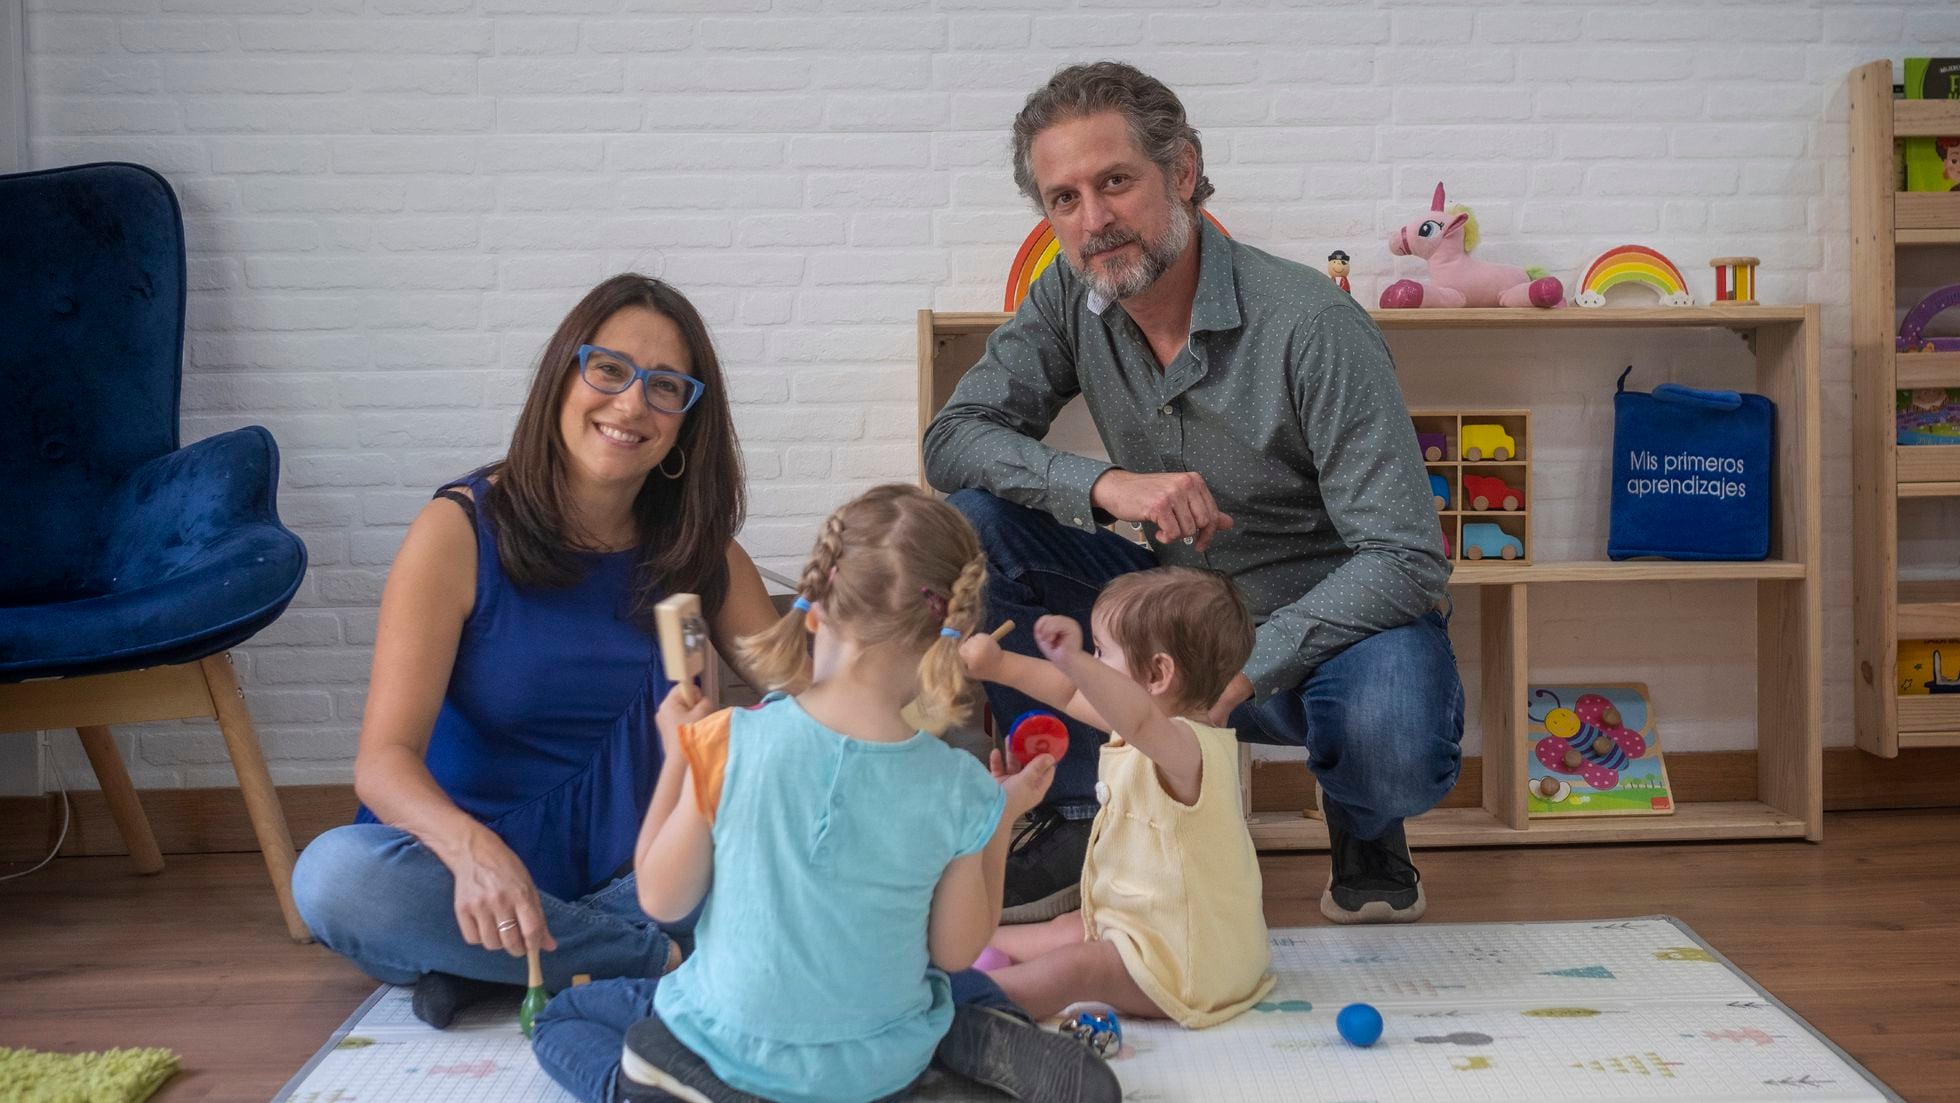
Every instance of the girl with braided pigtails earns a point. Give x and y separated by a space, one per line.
856 860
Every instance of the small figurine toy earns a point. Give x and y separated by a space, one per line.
1337 270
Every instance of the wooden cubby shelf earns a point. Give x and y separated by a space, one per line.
1885 609
1789 666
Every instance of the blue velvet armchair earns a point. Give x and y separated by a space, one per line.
128 565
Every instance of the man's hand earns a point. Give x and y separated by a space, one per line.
1236 694
1059 638
1177 502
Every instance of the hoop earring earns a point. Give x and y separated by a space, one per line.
662 465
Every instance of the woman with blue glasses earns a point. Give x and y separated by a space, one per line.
508 750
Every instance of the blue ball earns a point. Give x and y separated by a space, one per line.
1360 1024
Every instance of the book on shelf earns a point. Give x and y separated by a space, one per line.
1932 164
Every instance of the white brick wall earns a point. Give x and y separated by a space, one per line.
390 203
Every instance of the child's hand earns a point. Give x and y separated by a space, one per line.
673 713
1059 638
981 653
1025 787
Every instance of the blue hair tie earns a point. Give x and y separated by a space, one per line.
801 604
953 632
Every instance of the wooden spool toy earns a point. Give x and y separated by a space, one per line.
1735 280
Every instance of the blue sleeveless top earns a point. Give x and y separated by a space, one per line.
546 732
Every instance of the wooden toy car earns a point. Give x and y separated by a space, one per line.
1485 492
1439 489
1480 540
1486 441
1435 446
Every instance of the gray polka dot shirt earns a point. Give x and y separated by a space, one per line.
1284 400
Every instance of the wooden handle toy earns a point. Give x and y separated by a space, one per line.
535 996
683 642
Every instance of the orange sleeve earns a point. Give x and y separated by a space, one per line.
704 744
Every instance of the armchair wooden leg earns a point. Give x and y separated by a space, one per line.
120 792
261 799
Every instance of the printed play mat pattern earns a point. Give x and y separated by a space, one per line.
1595 1011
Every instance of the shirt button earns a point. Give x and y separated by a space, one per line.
1075 520
1102 792
1164 410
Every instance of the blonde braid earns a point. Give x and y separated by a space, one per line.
780 655
942 677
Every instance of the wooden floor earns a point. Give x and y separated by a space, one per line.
1860 935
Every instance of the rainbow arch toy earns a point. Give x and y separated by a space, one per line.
1633 264
1039 251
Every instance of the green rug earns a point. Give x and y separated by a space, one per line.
112 1076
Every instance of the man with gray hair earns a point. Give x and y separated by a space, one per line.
1254 426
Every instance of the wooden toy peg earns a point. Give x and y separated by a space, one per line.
683 642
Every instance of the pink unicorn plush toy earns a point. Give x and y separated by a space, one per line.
1445 239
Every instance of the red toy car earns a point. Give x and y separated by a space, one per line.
1485 492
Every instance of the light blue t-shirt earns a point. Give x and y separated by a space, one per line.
811 980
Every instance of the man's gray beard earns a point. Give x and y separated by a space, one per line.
1153 262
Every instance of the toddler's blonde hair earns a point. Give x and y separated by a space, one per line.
892 565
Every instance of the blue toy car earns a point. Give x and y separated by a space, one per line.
1480 540
1439 489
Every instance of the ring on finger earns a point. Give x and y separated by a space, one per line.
507 925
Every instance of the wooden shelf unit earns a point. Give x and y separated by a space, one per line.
1789 641
1885 609
1514 471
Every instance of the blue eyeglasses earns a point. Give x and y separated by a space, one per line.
610 372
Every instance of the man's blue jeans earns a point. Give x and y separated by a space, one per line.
376 895
578 1035
1381 720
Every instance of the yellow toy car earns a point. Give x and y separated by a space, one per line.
1486 441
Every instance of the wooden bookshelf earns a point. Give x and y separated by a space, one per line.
1887 610
1789 644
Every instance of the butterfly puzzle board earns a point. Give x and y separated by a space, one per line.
1592 1011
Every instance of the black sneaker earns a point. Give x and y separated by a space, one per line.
1044 867
1011 1055
1373 880
654 1065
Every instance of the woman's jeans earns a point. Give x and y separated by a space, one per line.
378 896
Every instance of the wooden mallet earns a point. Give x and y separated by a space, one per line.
683 642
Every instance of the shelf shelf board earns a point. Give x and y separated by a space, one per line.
1926 210
1931 713
1497 573
1573 317
957 323
1928 463
1909 740
1928 369
1948 236
1929 490
1746 819
1925 118
1928 610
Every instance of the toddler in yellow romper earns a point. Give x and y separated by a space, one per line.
1172 922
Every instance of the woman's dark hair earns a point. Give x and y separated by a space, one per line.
683 524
